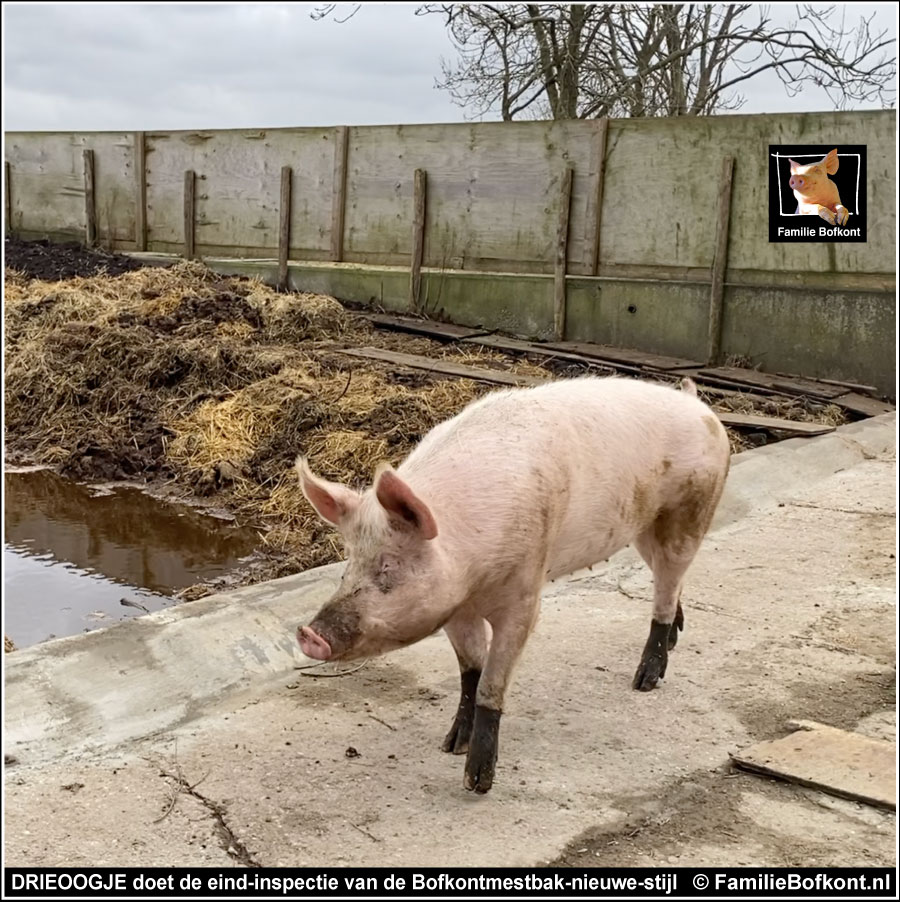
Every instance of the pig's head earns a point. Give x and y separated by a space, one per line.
808 179
395 589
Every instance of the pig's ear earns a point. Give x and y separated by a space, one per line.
399 500
794 166
333 502
831 161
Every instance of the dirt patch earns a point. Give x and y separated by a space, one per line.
213 385
726 816
721 814
52 262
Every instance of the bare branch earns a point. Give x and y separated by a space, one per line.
654 60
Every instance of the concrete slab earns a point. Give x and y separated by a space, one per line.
790 613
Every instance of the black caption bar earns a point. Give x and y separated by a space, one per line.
323 883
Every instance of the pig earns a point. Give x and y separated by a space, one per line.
523 486
815 192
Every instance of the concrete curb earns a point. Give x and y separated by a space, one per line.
95 691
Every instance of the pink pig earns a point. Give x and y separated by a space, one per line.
816 194
521 487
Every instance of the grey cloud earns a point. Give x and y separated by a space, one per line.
127 66
130 67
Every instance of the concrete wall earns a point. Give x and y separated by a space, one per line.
492 211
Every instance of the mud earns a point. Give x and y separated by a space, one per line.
52 262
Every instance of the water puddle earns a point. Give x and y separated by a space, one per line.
76 558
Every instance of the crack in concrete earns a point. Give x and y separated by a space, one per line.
232 846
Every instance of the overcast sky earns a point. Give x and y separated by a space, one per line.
116 66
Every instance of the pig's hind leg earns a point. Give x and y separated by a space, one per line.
468 635
669 546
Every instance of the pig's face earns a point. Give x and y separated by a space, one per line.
808 179
395 589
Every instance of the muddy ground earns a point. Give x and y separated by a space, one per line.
205 388
52 262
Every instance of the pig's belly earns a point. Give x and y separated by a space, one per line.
580 546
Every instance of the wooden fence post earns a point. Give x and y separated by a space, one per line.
562 248
595 200
418 240
284 230
8 206
339 192
140 191
189 184
90 201
720 261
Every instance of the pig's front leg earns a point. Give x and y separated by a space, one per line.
468 635
825 213
511 624
841 214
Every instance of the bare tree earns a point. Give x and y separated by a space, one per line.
584 61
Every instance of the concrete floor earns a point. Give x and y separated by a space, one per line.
187 738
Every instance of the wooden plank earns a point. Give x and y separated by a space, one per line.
850 386
868 407
794 386
624 355
7 212
720 262
593 213
443 367
189 219
795 427
90 200
284 227
418 240
140 191
562 351
835 761
426 327
562 251
550 352
339 192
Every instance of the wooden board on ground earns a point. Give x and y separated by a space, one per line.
639 362
443 367
869 407
835 761
797 427
518 346
623 355
426 327
755 379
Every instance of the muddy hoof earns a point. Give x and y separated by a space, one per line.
456 742
650 671
482 757
479 773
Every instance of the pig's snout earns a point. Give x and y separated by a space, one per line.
796 182
312 644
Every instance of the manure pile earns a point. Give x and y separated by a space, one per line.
213 385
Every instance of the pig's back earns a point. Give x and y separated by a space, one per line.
592 460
